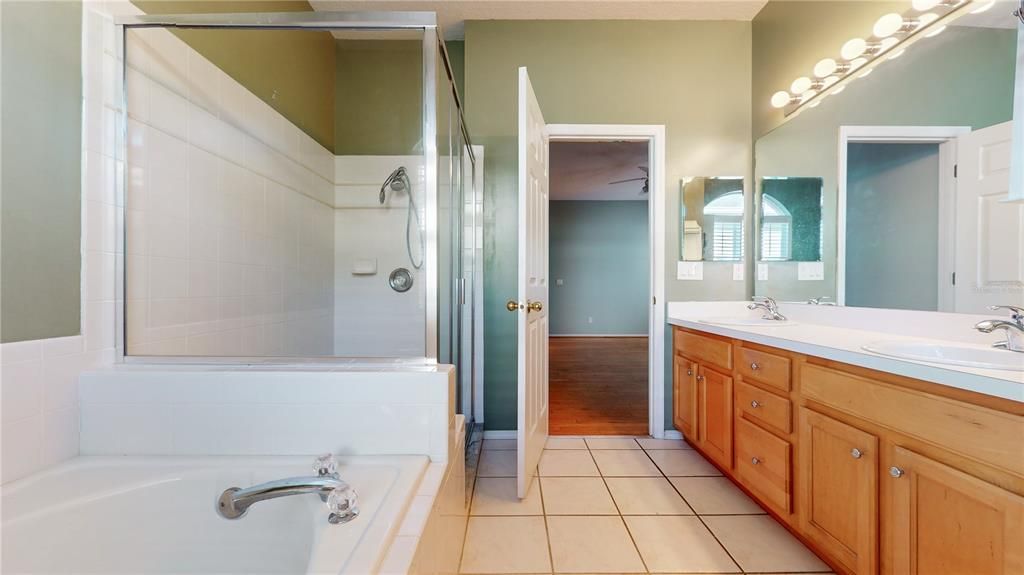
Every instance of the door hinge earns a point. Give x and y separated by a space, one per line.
956 169
654 300
954 278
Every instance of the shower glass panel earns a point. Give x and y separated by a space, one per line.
279 198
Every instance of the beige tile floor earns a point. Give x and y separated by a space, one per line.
621 505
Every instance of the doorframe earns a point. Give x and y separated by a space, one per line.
946 137
654 135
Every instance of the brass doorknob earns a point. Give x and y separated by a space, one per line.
513 305
534 306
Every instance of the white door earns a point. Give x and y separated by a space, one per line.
989 231
533 285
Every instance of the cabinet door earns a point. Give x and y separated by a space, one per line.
839 490
946 522
715 415
684 397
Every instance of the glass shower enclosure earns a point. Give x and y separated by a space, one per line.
297 187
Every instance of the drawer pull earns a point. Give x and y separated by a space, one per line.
755 461
754 366
755 404
896 472
856 453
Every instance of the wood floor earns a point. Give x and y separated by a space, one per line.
598 386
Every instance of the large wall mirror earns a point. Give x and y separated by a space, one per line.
711 219
893 192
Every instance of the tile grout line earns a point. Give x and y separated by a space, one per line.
697 515
621 517
544 514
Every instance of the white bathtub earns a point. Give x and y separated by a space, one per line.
141 515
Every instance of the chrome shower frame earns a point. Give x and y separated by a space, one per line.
433 46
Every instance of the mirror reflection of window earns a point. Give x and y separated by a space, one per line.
723 221
776 231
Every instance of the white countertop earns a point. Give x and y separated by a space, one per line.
838 334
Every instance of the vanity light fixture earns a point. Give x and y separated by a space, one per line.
890 36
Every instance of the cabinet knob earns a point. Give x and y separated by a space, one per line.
755 404
689 372
755 461
754 366
896 472
856 453
700 378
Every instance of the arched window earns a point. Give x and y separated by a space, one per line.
776 230
724 215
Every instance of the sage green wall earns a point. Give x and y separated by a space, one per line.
791 36
598 249
379 103
963 77
691 76
40 169
291 70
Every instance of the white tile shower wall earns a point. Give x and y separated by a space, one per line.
370 318
39 379
291 410
230 219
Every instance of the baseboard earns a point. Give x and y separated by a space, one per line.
673 434
598 335
500 434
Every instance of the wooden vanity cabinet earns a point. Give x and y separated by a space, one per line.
877 473
839 490
943 520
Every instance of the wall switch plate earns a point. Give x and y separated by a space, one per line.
737 272
762 272
559 282
810 271
689 270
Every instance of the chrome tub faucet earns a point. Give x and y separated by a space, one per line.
770 307
1014 328
338 495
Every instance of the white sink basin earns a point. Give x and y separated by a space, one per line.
950 354
747 321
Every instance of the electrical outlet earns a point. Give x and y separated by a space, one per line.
762 272
810 271
559 282
690 270
590 320
737 272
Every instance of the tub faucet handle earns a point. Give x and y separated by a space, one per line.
326 465
343 504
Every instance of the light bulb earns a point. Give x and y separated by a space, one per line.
853 48
984 6
923 5
815 105
897 54
886 44
888 25
800 85
838 90
828 81
857 63
926 19
808 95
935 32
825 67
866 73
780 99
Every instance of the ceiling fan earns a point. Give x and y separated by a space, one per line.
645 178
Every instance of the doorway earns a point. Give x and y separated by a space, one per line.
599 269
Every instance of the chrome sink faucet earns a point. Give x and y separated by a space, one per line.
770 307
338 495
1014 327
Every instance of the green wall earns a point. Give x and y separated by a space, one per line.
378 91
599 250
291 70
691 76
40 169
802 197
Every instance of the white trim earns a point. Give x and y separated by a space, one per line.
673 434
905 135
599 335
478 290
655 135
500 434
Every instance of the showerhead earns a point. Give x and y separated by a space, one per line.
397 181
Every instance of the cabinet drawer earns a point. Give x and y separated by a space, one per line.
973 431
704 349
767 368
763 464
764 407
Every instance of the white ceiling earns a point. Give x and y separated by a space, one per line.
453 14
583 170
